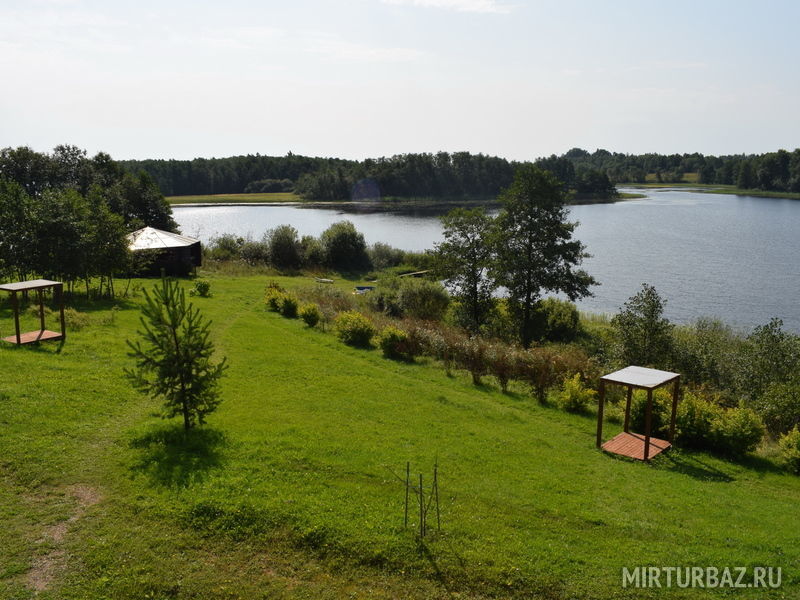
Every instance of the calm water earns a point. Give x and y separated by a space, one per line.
734 257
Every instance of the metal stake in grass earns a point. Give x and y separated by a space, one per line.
408 482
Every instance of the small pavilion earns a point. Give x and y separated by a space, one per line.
37 285
634 445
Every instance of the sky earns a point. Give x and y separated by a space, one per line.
368 78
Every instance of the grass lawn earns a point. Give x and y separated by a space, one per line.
235 198
290 491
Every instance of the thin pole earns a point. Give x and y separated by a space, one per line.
408 481
675 392
648 418
15 304
436 491
41 309
601 399
421 509
626 427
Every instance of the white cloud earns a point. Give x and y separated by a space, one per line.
477 6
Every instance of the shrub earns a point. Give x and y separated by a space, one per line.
575 397
394 343
312 251
288 306
780 407
354 329
202 288
501 361
344 247
422 299
470 354
284 247
737 431
790 450
255 253
560 321
544 367
645 335
384 256
695 421
310 314
75 320
660 416
225 247
274 299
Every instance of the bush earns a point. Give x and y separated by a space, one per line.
75 320
255 253
737 431
660 416
310 314
225 247
575 397
312 251
288 306
422 299
274 299
790 450
695 421
502 362
560 321
344 247
470 354
354 329
284 247
384 256
202 288
394 343
780 407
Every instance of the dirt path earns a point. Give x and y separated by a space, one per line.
47 566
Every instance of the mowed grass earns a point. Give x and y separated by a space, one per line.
291 490
235 198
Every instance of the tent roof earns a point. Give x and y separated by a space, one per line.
149 238
641 377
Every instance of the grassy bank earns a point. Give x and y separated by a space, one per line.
235 198
291 489
714 189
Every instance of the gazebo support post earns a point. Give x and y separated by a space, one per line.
626 427
15 308
40 297
600 402
675 391
60 293
648 419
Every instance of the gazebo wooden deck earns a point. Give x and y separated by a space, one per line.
37 285
633 445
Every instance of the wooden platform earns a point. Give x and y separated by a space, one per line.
632 445
30 337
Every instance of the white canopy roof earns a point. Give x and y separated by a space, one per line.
149 238
641 377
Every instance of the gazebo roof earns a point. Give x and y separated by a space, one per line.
641 377
33 284
149 238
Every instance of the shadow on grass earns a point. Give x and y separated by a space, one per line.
692 465
171 457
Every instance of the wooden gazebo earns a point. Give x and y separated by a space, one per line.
634 445
37 285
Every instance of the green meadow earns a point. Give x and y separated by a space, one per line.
294 487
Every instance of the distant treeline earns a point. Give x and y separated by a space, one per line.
774 171
426 175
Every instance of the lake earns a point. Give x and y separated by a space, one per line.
734 257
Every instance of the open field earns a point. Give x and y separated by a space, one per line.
290 490
235 198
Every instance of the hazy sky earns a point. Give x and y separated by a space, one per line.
360 78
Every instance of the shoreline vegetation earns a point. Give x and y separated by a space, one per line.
712 188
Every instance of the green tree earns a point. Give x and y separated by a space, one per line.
284 247
463 261
645 335
533 247
344 247
175 362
